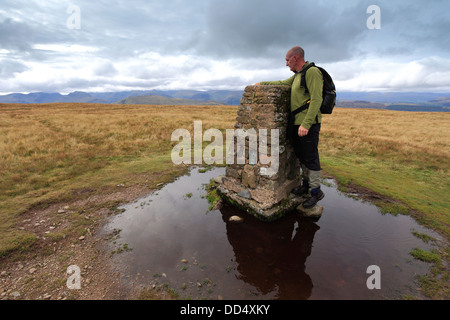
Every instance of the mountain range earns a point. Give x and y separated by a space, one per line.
226 97
406 101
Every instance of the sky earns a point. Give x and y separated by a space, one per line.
117 45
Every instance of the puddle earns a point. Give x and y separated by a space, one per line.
174 241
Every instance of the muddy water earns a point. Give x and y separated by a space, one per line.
177 243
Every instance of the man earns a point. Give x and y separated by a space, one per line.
305 138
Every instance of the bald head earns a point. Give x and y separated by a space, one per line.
298 52
295 59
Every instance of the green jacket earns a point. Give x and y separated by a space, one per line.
314 82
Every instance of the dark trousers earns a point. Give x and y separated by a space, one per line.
306 148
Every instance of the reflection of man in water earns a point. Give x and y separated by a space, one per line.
272 256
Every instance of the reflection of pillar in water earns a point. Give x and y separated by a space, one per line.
271 257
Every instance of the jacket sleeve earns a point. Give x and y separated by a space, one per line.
287 82
314 82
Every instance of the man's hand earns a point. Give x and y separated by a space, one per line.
302 131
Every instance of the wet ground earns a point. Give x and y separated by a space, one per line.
171 239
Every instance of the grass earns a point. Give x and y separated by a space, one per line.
48 152
401 155
53 153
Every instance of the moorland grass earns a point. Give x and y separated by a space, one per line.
49 150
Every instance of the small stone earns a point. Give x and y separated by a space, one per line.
219 179
32 270
47 296
82 238
15 294
314 212
236 219
61 211
199 284
184 261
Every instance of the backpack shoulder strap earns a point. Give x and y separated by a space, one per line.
303 79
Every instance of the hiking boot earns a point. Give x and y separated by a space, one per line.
316 196
299 191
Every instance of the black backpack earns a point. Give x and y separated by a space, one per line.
329 89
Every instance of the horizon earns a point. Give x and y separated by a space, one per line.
443 93
220 45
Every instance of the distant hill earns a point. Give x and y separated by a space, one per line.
359 104
405 101
444 101
43 97
392 97
226 97
160 100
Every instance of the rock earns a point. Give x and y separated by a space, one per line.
236 219
32 270
47 296
219 179
61 211
82 238
249 178
245 194
184 261
15 294
314 212
66 208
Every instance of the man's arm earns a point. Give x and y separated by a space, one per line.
287 82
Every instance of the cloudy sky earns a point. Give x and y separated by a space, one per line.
113 45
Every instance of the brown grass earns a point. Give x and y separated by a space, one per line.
411 137
47 150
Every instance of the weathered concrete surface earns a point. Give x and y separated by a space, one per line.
255 186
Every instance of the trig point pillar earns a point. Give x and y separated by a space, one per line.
251 183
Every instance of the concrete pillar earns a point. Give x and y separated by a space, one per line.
254 185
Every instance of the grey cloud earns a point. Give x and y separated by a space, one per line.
9 67
15 36
256 28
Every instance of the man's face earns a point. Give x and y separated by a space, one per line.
291 62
